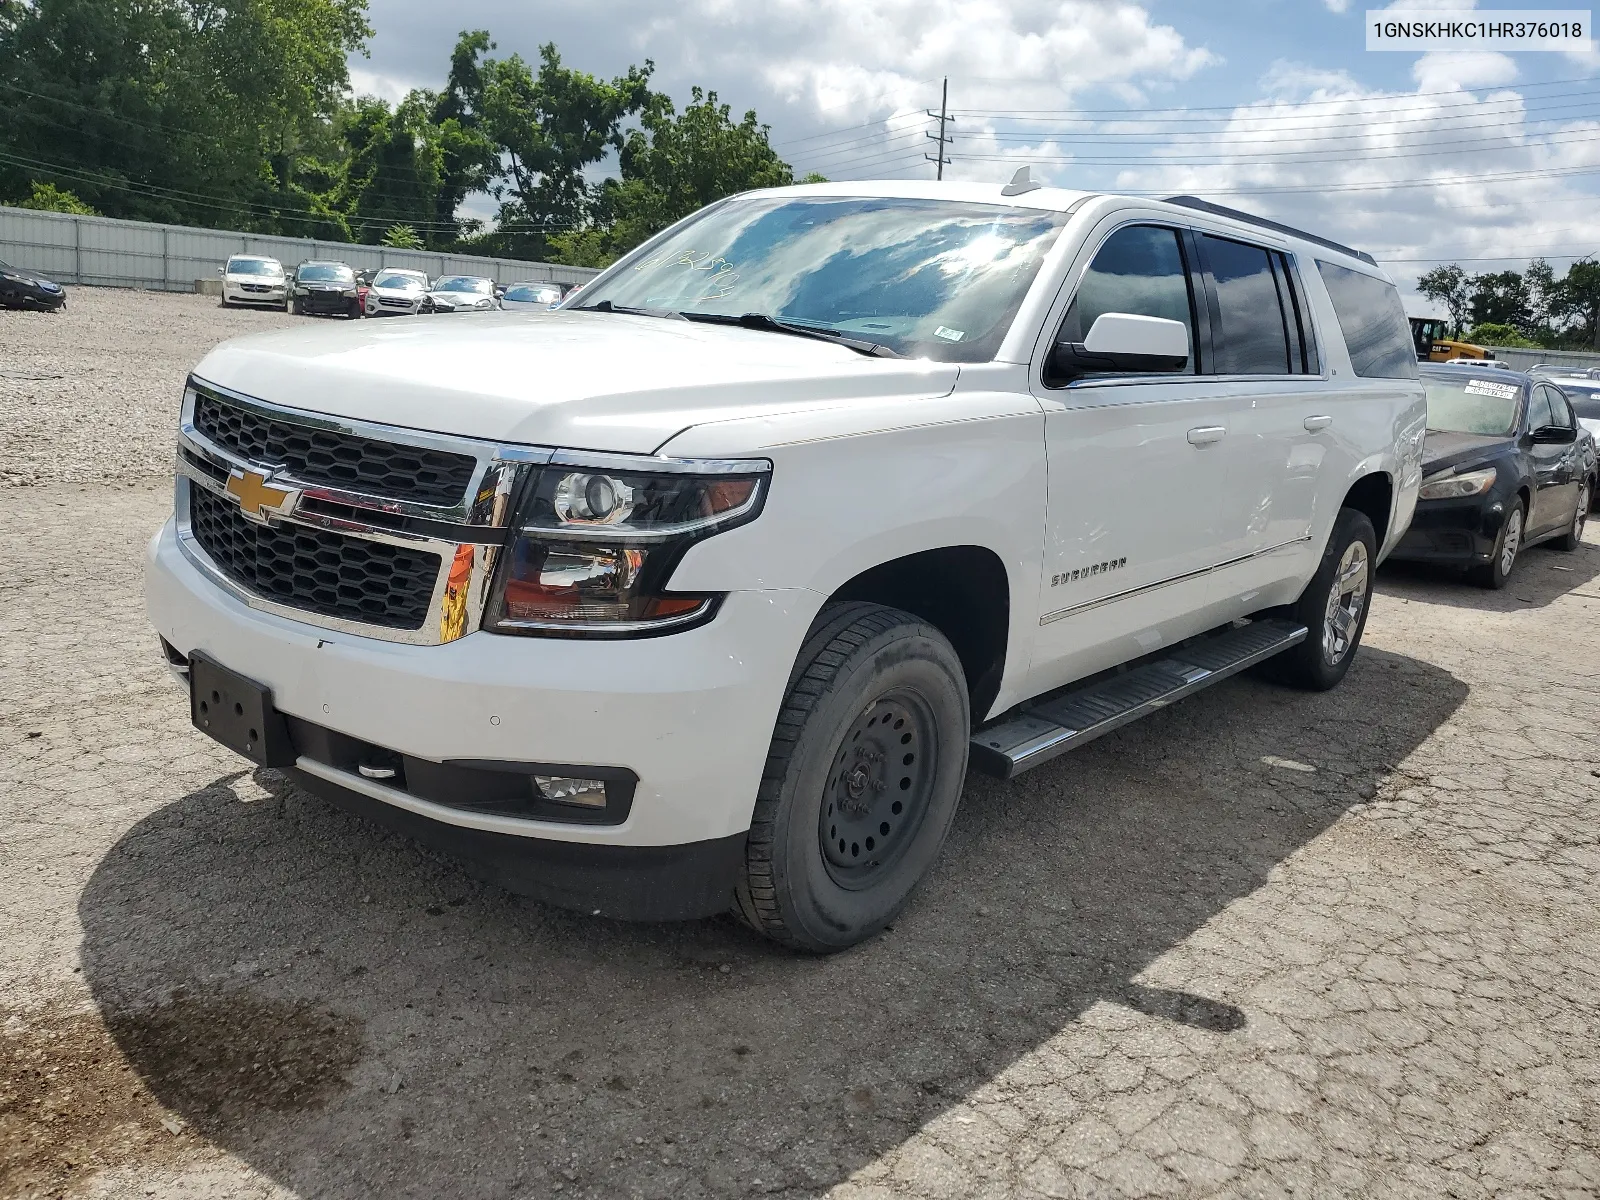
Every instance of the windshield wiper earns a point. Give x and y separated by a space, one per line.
608 307
753 320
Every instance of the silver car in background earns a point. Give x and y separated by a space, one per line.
397 292
254 279
461 293
528 296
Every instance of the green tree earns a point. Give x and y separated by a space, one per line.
168 109
401 237
549 127
468 158
47 197
1499 298
393 168
1493 334
1447 285
1578 299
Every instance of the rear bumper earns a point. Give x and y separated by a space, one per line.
1453 532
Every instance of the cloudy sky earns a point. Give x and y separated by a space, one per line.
1269 105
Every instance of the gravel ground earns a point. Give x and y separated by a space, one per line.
92 392
1261 944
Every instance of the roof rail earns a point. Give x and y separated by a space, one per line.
1251 219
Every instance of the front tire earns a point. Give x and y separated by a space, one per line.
1573 538
1507 545
1333 608
862 779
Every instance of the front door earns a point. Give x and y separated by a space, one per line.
1138 468
1555 466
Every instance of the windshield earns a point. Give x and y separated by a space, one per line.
404 283
254 266
533 295
333 272
926 278
1485 406
464 283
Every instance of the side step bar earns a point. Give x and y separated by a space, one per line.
1070 719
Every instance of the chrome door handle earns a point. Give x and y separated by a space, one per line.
1204 435
1317 424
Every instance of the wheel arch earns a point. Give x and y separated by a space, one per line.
964 592
1374 495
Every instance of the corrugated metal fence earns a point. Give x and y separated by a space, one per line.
1560 360
111 253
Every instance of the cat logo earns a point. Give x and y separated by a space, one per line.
258 499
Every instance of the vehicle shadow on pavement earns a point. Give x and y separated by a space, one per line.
1541 576
353 1016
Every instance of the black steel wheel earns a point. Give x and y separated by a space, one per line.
879 791
862 781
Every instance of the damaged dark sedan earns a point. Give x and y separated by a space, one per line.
1505 466
29 289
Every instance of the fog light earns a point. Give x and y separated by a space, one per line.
566 789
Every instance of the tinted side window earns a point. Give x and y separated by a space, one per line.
1539 414
1560 414
1252 338
1139 270
1302 334
1373 322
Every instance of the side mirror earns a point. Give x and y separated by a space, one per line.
1124 342
1554 435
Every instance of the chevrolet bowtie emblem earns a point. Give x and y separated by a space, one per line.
257 498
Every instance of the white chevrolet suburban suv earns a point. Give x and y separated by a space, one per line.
703 591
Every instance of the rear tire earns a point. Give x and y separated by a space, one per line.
862 780
1507 545
1333 608
1573 538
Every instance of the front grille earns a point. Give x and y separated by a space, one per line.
314 570
256 287
339 460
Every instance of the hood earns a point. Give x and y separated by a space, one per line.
1442 450
29 277
460 299
592 381
236 277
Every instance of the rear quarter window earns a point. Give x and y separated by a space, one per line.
1373 322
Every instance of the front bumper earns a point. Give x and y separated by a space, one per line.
690 714
27 296
325 302
235 293
1453 532
381 306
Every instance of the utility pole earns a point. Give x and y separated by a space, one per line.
939 160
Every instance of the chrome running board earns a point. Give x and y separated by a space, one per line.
1066 720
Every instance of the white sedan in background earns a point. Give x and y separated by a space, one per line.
396 292
251 279
528 296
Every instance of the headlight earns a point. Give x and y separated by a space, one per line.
593 547
300 291
350 292
1453 487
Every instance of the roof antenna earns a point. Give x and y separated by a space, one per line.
1022 181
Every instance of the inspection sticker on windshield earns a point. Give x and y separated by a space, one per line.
1489 387
949 335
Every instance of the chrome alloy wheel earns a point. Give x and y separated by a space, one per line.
1511 542
1582 514
877 793
1346 600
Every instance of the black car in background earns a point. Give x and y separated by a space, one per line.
325 287
1505 465
29 289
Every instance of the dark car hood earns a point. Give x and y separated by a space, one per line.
1442 450
31 277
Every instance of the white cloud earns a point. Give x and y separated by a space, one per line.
369 83
1405 175
1441 70
1337 6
